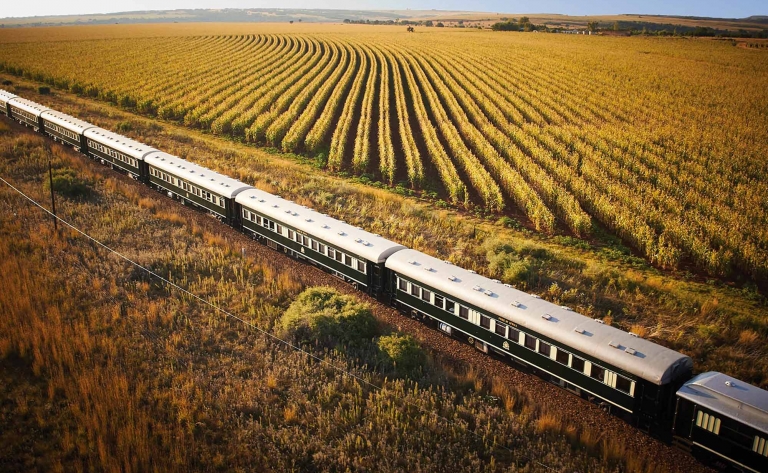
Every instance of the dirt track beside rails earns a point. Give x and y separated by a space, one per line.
569 408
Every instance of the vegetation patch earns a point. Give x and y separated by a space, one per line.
324 316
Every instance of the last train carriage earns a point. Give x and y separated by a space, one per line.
630 375
722 419
347 251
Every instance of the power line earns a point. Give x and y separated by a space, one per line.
245 322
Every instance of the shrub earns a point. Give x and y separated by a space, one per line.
44 90
402 353
67 183
333 319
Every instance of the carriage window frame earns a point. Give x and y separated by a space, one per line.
530 342
513 334
500 329
594 370
402 284
621 382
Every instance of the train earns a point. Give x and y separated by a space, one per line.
713 416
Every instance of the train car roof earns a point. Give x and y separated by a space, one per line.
196 174
6 96
335 232
66 121
28 106
730 397
120 143
632 354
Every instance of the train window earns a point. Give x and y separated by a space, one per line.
314 245
415 290
545 348
577 363
501 329
348 260
450 306
321 248
562 357
597 372
485 322
403 285
339 256
258 220
514 335
760 446
439 301
530 342
361 266
279 229
291 234
246 214
463 312
332 253
426 295
708 422
623 384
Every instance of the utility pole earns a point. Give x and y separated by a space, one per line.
53 200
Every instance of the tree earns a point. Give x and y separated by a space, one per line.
428 23
593 26
440 24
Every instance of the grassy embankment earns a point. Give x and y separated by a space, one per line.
104 368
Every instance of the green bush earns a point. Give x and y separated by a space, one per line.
67 183
44 90
333 319
402 353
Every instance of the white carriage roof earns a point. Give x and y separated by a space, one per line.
191 172
640 357
66 121
340 234
730 397
6 96
28 106
120 143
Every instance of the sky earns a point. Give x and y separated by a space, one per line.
710 8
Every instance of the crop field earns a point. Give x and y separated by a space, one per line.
661 141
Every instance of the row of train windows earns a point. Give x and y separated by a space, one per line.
202 193
512 334
25 114
63 131
732 432
304 240
110 152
